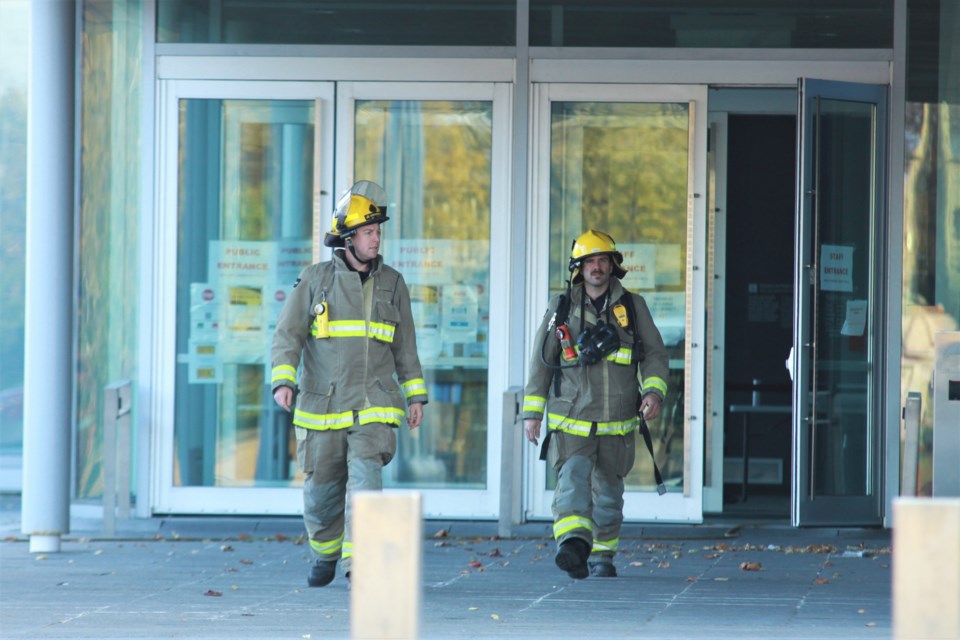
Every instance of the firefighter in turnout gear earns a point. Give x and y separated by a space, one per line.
344 339
587 352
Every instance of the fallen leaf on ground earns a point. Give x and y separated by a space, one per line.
636 564
664 565
226 547
443 533
692 579
476 564
750 566
496 553
494 616
245 561
821 581
211 592
281 537
472 608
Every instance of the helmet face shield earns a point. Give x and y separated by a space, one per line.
593 243
363 204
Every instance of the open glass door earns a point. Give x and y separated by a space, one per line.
838 273
631 161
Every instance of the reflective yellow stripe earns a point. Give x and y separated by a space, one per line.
621 356
534 403
348 329
382 332
414 387
329 548
571 523
600 546
658 384
568 425
322 421
616 428
582 427
386 415
347 550
284 372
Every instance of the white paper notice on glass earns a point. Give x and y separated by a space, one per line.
855 324
459 306
639 261
836 268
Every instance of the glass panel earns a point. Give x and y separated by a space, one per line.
623 168
931 205
434 160
796 24
14 45
490 23
842 443
110 215
245 225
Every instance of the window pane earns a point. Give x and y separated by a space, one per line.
434 160
245 224
458 23
622 168
793 24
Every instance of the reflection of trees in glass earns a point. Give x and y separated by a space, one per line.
109 228
13 205
433 158
619 168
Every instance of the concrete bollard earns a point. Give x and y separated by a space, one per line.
926 568
385 589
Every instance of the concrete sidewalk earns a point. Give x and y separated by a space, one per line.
246 578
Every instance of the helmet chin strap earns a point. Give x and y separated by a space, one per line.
353 252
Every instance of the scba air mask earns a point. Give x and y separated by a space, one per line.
597 342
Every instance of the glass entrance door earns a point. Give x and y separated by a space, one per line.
631 161
440 152
838 276
244 168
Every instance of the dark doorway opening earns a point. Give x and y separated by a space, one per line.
761 179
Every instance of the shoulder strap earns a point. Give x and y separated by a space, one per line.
627 299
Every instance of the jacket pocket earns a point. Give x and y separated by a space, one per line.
383 327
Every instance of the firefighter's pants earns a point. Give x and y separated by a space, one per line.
337 463
588 500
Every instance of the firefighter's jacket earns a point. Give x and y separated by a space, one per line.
350 374
605 393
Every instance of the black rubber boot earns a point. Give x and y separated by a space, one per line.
321 573
572 557
600 569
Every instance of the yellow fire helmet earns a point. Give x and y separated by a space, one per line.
363 204
593 243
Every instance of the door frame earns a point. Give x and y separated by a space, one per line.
675 506
457 503
165 497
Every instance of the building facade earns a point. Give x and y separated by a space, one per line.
781 177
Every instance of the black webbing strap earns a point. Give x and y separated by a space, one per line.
545 445
645 431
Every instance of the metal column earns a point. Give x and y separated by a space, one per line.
49 310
